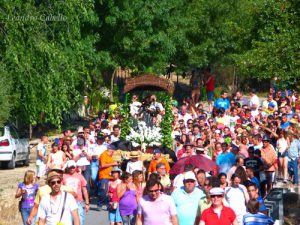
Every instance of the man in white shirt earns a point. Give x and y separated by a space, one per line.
115 136
270 99
96 151
184 114
254 103
58 207
134 163
41 157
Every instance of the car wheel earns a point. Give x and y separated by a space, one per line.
12 163
26 161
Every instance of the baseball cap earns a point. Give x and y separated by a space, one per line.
80 141
69 164
190 176
156 151
271 104
216 191
116 169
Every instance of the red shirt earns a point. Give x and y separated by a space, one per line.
227 216
210 86
180 152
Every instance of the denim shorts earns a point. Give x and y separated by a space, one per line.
284 154
114 215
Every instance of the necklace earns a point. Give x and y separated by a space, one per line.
51 205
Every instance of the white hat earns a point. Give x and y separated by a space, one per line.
69 164
80 129
116 169
190 176
216 191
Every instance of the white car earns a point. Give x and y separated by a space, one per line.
13 148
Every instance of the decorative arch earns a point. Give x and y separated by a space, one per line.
149 80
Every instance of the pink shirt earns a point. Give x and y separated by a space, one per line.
158 211
76 182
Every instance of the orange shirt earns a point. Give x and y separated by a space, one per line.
153 163
105 158
269 158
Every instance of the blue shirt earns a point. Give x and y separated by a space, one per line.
187 205
222 103
257 219
284 126
262 206
225 161
294 149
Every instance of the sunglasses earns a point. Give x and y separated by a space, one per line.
189 181
55 182
154 191
218 196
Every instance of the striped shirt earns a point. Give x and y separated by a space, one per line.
257 219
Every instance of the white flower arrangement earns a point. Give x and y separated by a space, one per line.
104 92
144 136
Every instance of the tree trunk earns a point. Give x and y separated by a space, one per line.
30 131
112 86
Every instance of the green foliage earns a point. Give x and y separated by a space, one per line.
6 96
140 35
47 55
125 124
274 41
54 52
166 127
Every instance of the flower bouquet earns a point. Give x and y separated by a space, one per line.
144 136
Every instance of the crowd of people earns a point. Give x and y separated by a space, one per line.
254 144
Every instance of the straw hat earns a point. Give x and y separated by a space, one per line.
134 154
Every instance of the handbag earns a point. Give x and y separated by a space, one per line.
63 209
20 205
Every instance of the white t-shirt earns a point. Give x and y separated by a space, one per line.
39 160
132 166
134 108
98 150
254 101
82 161
51 211
178 181
282 145
113 138
236 199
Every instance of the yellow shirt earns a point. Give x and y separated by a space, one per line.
46 189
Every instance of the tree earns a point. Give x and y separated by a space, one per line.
274 38
48 49
140 35
6 96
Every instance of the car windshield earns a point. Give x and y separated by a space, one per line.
1 131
